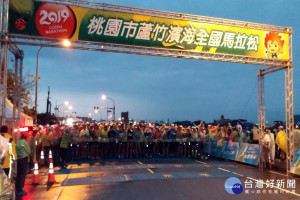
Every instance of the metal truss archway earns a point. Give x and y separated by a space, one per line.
5 47
272 65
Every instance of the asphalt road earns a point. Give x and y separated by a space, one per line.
160 179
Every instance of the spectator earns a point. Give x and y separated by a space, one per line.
239 127
213 131
236 134
221 137
230 135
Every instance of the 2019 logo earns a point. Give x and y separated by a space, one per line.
55 21
233 186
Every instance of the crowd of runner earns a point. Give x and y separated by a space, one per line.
133 140
118 140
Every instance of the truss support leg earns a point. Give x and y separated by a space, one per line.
261 110
289 117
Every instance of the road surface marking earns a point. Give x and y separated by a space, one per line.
127 178
277 173
201 162
230 171
237 174
283 174
152 172
204 174
167 175
178 166
224 170
269 171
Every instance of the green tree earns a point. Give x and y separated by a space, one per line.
26 100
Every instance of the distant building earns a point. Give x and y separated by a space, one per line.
297 119
223 121
125 117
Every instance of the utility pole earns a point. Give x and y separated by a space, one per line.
56 110
48 109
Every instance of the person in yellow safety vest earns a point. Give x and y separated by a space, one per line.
47 143
64 144
7 161
281 139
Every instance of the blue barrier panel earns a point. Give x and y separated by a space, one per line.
295 169
216 150
248 153
230 150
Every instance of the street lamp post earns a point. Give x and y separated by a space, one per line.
113 108
36 83
57 110
100 114
66 43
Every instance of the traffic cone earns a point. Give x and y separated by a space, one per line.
36 176
42 159
51 178
50 157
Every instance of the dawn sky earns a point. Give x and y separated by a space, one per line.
158 88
